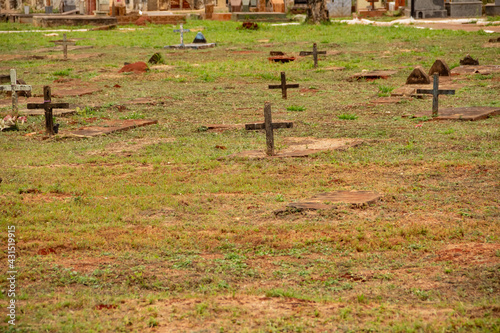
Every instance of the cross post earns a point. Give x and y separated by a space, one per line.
182 31
14 88
65 42
268 123
435 92
314 53
47 105
283 86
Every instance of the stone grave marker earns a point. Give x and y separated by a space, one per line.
440 67
314 53
418 76
319 201
245 5
468 60
492 9
235 5
47 105
64 42
14 88
435 92
283 86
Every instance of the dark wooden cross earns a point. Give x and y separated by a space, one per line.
64 42
269 126
182 31
283 86
314 53
47 105
435 92
14 88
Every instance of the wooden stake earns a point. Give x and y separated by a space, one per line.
268 121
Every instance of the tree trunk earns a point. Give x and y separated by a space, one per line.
316 11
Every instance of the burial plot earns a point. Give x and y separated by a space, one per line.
197 43
14 88
476 69
372 75
283 86
314 53
48 106
297 147
111 126
435 92
281 58
64 43
319 201
67 89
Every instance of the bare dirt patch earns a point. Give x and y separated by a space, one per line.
129 147
467 254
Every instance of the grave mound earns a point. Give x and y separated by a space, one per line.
136 67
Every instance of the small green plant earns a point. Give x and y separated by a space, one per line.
280 198
63 72
385 91
134 115
347 116
295 108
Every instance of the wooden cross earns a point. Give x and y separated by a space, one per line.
47 105
182 31
314 53
269 126
435 92
14 88
64 42
283 86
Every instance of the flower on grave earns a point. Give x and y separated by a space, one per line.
12 121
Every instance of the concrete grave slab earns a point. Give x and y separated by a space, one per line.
476 69
471 113
55 112
411 90
372 75
319 201
111 126
302 147
387 100
223 127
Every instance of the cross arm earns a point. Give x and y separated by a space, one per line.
440 92
16 87
51 105
308 53
259 126
278 86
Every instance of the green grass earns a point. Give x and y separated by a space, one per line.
160 225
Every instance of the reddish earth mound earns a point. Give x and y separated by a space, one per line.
142 20
136 67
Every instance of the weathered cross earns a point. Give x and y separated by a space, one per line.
269 126
14 88
283 86
64 42
47 105
314 53
182 31
435 92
